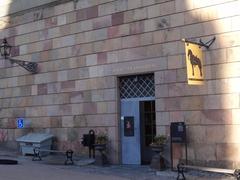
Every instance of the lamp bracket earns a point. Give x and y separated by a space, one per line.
201 43
5 51
29 66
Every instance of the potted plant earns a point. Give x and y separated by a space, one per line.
158 143
101 140
157 146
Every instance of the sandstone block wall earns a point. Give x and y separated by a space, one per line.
83 46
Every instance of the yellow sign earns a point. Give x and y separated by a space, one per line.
194 61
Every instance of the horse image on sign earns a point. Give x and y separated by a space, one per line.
194 64
195 61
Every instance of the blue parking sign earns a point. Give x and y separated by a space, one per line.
20 123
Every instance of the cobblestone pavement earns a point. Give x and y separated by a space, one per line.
29 170
50 169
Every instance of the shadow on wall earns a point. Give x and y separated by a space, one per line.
8 30
213 131
5 21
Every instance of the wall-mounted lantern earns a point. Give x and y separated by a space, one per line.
5 50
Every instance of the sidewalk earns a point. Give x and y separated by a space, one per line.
29 170
50 169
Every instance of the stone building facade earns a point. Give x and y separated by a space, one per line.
84 49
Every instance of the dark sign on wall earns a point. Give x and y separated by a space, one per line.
178 132
88 139
128 126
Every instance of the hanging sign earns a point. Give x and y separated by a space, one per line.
194 61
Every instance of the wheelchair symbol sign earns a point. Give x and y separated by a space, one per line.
20 123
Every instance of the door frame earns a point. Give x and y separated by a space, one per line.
143 133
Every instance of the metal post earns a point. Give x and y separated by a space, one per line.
91 143
171 153
186 143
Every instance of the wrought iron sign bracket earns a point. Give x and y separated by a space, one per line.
201 43
29 66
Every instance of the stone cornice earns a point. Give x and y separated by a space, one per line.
17 7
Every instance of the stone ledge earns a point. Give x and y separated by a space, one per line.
18 7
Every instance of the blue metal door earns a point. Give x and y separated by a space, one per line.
130 118
133 89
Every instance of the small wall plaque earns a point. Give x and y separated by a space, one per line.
20 123
129 126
